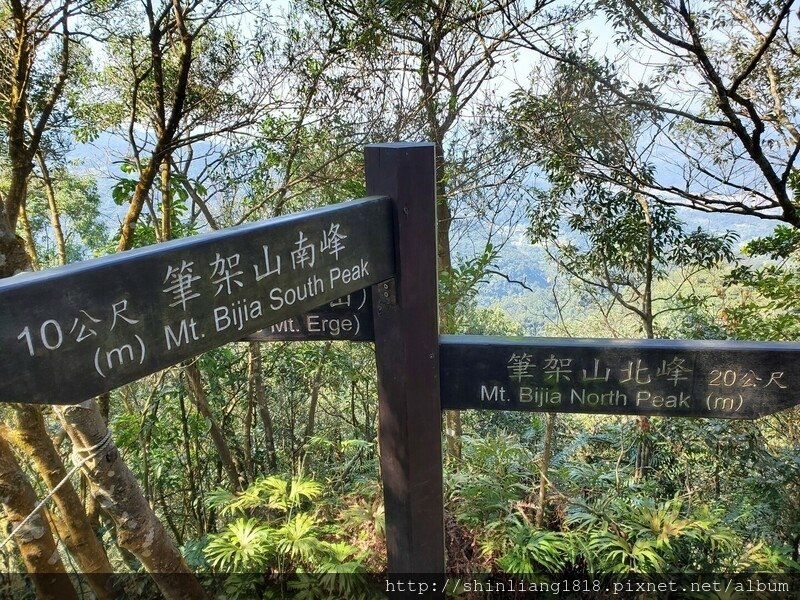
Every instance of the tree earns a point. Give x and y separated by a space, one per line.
179 81
69 519
13 258
307 152
716 88
32 86
35 538
769 306
138 528
440 61
615 239
701 114
63 212
33 89
28 28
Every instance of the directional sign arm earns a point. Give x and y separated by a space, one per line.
70 333
671 378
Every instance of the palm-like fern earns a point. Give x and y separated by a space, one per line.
275 493
535 551
275 531
297 538
244 546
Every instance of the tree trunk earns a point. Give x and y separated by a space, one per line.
645 447
140 193
35 540
452 425
316 384
195 508
356 432
13 258
166 203
55 219
167 126
112 483
248 439
21 165
259 391
547 452
93 509
70 520
444 217
194 381
27 238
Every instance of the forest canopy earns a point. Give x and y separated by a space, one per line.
609 169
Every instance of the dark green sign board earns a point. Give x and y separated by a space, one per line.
671 378
70 333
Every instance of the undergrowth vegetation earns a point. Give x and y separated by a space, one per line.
699 507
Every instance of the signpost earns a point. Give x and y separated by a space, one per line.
407 356
670 378
71 333
348 318
74 332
